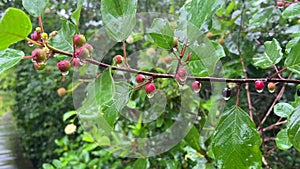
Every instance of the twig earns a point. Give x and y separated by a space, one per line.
125 54
238 95
274 125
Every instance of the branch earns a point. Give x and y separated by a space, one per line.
274 125
203 79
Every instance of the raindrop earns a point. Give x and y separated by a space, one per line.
271 91
150 95
65 73
226 98
259 91
33 61
30 44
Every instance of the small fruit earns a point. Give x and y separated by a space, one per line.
38 29
271 87
196 86
168 59
76 62
150 88
39 66
226 93
82 53
259 86
280 4
118 59
79 40
208 35
61 92
64 65
38 55
140 78
88 47
44 36
182 74
221 41
175 42
53 34
35 36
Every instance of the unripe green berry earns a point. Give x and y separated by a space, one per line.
39 55
44 36
82 53
79 40
38 29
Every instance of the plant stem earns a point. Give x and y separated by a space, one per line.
274 125
125 54
41 23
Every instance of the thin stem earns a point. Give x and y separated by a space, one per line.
274 125
278 73
238 96
27 57
58 50
41 23
207 79
34 42
280 94
125 54
243 64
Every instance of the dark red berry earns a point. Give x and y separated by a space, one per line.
140 78
150 87
259 85
64 65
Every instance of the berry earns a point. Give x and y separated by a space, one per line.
61 92
168 59
64 65
38 29
288 4
35 36
88 47
76 62
296 1
44 36
140 78
175 42
226 93
53 34
79 40
298 92
259 85
118 59
39 66
38 55
208 35
196 86
221 41
280 4
150 88
271 87
182 74
82 53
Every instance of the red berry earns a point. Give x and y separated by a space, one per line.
280 4
259 85
140 78
79 40
150 88
118 59
76 62
196 86
35 36
64 65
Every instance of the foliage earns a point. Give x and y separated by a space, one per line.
255 40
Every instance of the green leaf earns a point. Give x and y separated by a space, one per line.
198 11
283 109
141 163
193 138
47 166
272 55
293 11
57 163
236 142
294 128
282 140
87 137
161 33
120 100
291 44
15 26
261 17
69 114
104 87
119 18
64 38
9 58
76 14
292 61
35 7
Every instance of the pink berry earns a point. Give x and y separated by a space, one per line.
150 88
118 59
196 86
76 62
82 53
64 65
182 74
79 40
280 4
259 85
35 36
39 55
140 78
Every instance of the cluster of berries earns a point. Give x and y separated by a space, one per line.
283 3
